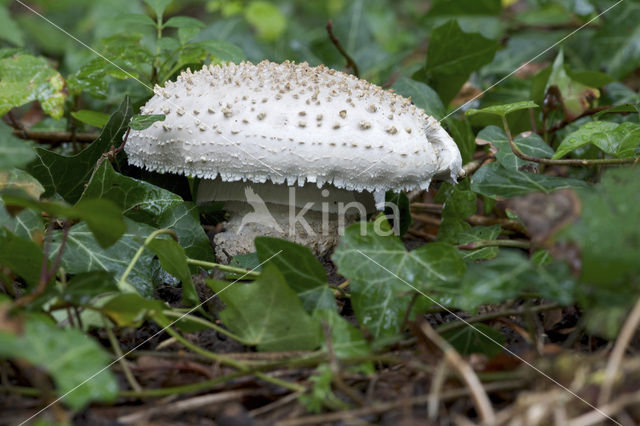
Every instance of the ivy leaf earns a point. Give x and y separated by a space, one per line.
83 254
92 118
422 96
503 110
68 355
83 287
398 207
130 310
124 50
139 200
583 136
462 134
301 270
495 181
141 122
453 55
480 339
25 78
184 219
479 233
174 261
66 175
627 137
576 97
20 255
506 277
183 22
346 339
101 216
277 323
14 152
530 144
383 274
607 233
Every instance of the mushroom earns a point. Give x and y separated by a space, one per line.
259 135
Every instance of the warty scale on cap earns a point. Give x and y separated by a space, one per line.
292 123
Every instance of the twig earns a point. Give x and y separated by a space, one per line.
595 417
493 315
227 268
350 62
478 393
187 405
233 363
55 138
436 389
427 207
426 219
121 359
565 162
617 355
336 372
495 243
564 123
383 406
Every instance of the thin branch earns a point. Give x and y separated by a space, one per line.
566 162
350 62
55 138
495 243
613 365
468 376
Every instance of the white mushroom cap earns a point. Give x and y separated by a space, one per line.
292 123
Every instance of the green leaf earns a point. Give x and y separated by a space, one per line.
462 134
617 42
480 339
174 261
141 122
183 22
25 78
530 144
14 152
503 110
627 139
479 233
397 207
277 323
9 30
21 255
619 108
101 216
453 55
422 96
127 58
607 234
495 181
576 97
139 200
185 221
346 339
83 254
383 275
506 277
136 19
300 269
92 118
222 50
158 6
459 203
68 355
266 18
130 310
67 175
84 287
583 136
